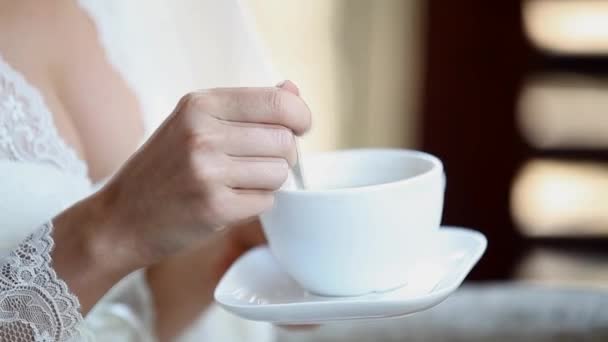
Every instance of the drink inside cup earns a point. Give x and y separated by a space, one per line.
361 224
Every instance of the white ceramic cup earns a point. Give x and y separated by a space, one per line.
361 223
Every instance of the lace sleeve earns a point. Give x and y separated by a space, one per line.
35 305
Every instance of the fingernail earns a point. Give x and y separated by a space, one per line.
281 84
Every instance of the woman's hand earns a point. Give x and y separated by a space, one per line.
214 162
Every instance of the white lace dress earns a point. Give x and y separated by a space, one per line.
40 175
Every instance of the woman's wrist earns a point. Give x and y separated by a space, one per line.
88 255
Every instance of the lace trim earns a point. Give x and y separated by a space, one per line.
27 130
34 303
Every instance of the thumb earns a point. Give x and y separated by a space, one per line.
290 87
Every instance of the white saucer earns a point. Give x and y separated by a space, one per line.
256 288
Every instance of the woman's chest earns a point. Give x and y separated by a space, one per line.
69 97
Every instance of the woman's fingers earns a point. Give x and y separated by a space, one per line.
244 203
290 87
271 105
256 140
256 173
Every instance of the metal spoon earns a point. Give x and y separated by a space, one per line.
297 170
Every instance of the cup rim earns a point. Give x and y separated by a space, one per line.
436 167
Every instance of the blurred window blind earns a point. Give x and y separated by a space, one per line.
563 116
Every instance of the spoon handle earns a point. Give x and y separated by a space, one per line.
297 170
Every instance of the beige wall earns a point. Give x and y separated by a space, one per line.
357 62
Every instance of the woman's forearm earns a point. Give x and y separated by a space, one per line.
182 286
85 256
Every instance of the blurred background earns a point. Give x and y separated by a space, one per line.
358 64
513 97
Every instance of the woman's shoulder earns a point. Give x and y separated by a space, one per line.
44 34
